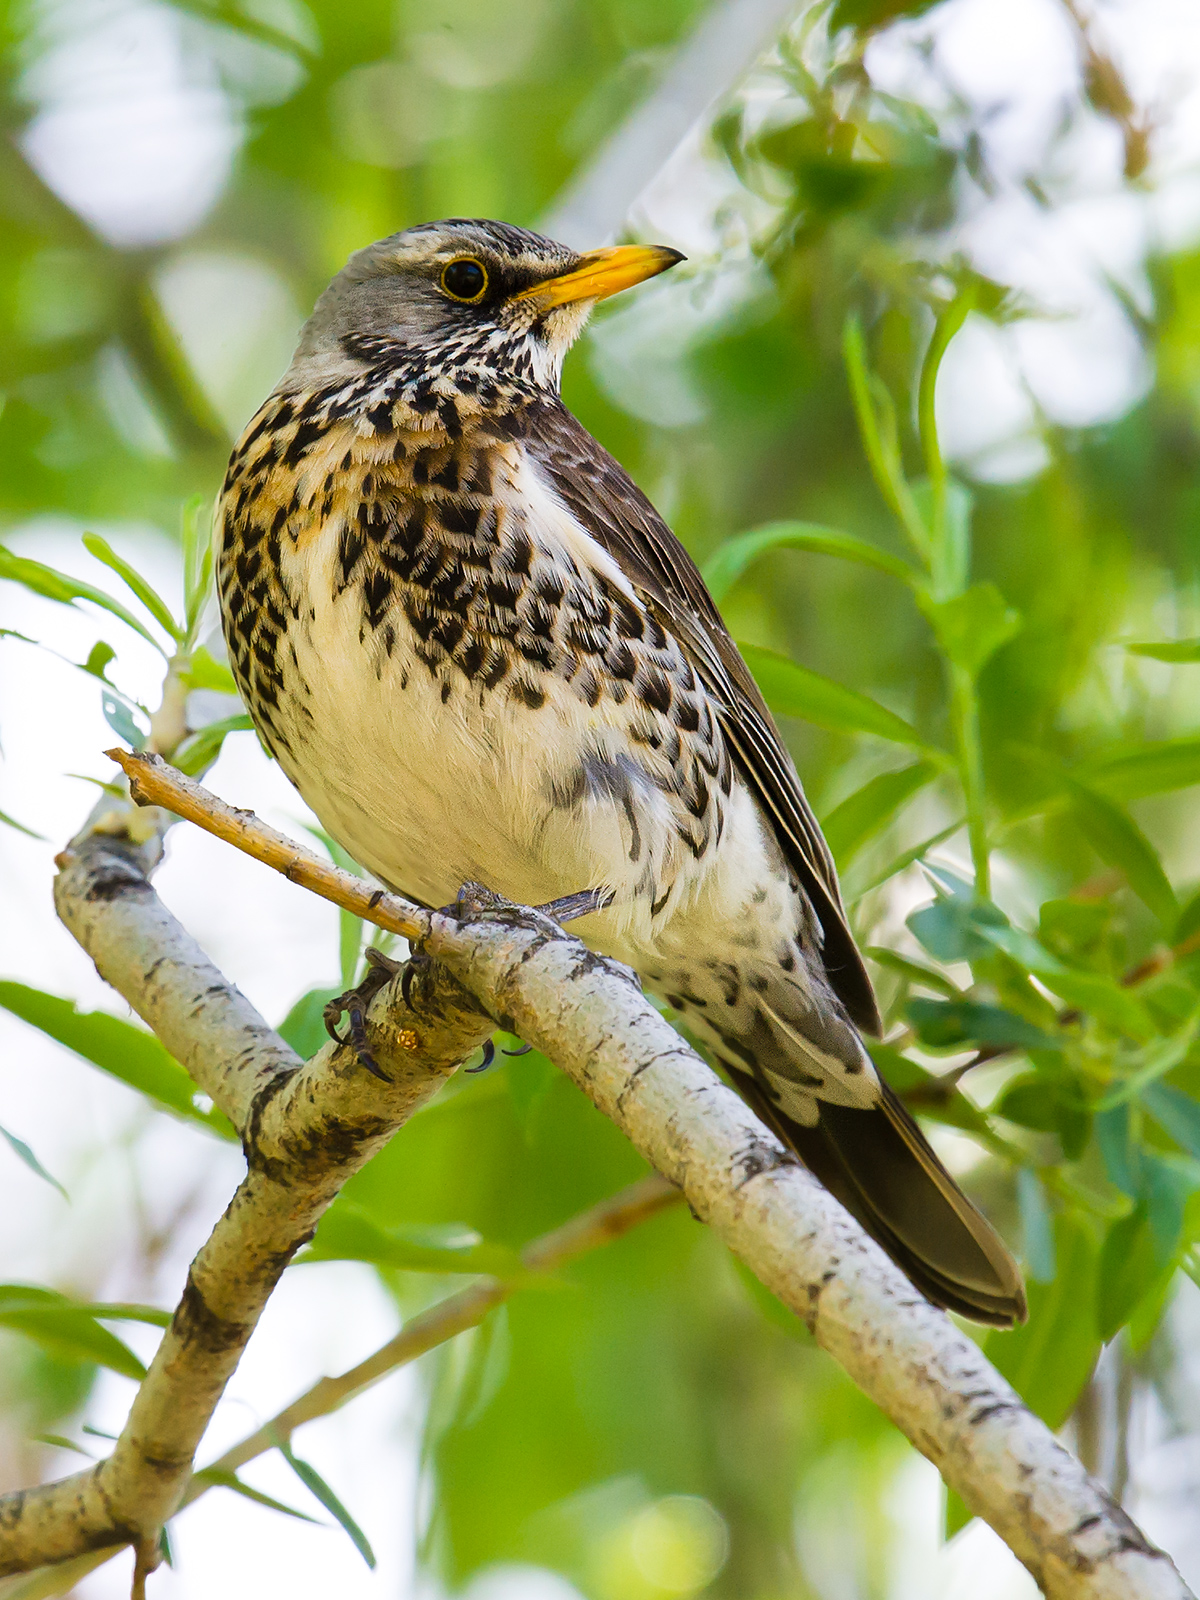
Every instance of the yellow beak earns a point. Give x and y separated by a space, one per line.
601 273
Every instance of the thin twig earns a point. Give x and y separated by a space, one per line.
153 782
597 1226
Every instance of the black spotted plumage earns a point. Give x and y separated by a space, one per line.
480 653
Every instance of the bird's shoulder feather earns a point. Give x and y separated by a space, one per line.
607 503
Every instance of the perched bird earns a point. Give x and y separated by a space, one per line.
480 655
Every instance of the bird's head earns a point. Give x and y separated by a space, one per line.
467 301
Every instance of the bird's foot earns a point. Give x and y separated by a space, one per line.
355 1002
570 906
474 898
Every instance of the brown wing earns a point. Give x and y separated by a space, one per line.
615 512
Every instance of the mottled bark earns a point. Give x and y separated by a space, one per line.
307 1127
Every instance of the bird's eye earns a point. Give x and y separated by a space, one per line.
465 279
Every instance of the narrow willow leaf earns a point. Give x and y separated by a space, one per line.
121 720
217 1478
1159 1057
116 1047
59 1442
1117 840
65 1328
1154 768
1129 1269
304 1026
913 971
865 813
206 672
1105 999
1168 650
1176 1112
952 1024
98 660
1051 1357
313 1481
906 859
55 585
972 626
11 822
1037 1227
347 1233
200 749
150 598
736 555
23 1153
795 691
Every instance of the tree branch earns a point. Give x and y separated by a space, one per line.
305 1127
588 1231
588 1014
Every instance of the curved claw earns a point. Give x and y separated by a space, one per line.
489 1055
354 1004
523 1051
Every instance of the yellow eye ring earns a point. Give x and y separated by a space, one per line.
465 279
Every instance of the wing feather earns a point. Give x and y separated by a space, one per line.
613 510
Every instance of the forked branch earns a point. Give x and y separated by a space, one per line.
589 1016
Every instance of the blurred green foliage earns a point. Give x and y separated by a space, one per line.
947 660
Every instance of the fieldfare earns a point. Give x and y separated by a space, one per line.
479 654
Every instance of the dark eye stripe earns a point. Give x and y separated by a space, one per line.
465 279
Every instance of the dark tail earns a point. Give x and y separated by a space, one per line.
880 1166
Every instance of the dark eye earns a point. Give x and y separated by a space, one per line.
466 279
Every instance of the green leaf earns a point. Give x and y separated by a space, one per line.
205 672
304 1026
1106 1000
60 1442
1142 1246
153 602
1176 1112
1156 767
199 750
1118 1151
121 720
1153 1061
1037 1227
23 1153
868 810
949 1025
953 927
972 626
733 558
913 971
1048 1105
67 1328
116 1047
866 15
1050 1358
906 859
98 659
11 822
348 1233
197 544
950 554
1129 1268
313 1481
1118 840
55 585
795 691
1168 650
217 1478
1187 924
